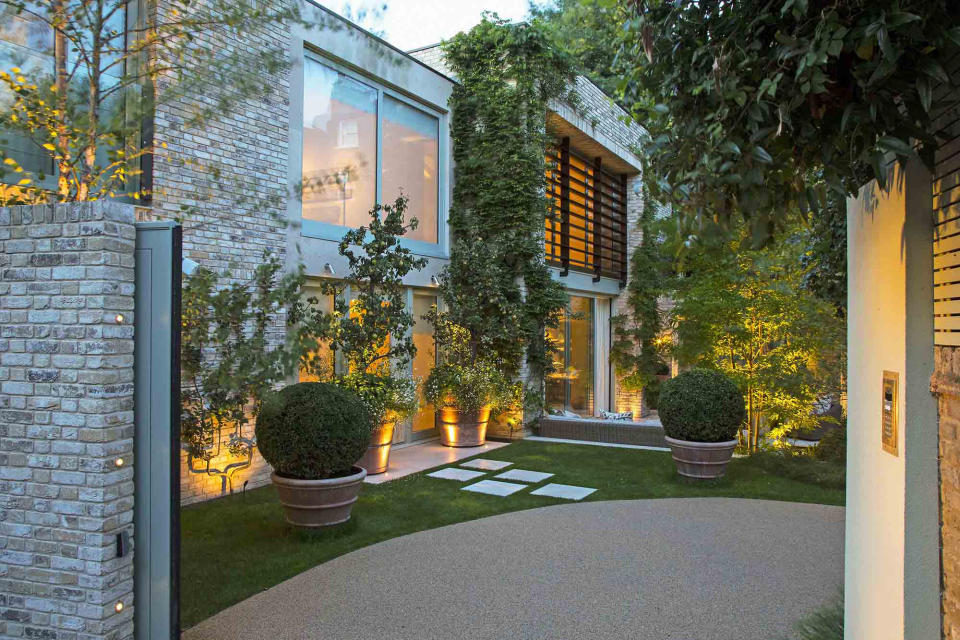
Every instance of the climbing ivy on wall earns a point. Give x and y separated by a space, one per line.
497 284
634 352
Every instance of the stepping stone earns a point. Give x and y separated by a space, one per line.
486 465
455 474
565 491
522 475
494 488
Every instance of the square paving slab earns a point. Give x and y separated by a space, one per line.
486 464
565 491
522 475
456 474
494 488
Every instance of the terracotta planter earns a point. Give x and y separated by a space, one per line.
319 503
701 459
377 458
463 428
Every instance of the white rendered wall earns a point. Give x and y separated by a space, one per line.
892 549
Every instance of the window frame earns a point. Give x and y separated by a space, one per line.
327 231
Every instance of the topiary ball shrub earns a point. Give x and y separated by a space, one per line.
701 406
313 430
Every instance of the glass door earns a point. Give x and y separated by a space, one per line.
424 423
570 388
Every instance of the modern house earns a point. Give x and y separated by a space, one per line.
354 122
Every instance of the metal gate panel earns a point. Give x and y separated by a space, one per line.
157 435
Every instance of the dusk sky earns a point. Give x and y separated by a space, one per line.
408 24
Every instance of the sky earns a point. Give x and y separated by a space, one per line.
408 24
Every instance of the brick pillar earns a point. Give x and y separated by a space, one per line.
946 385
66 416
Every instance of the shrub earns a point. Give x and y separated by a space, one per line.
470 387
801 467
313 430
833 445
825 624
701 405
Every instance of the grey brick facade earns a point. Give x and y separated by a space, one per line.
66 417
231 174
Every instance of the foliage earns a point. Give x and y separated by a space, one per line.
825 260
313 430
588 31
388 397
746 312
462 378
701 405
497 286
825 624
229 360
833 445
221 536
802 467
759 109
86 116
372 333
635 352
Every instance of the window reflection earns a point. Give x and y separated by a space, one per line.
339 147
411 153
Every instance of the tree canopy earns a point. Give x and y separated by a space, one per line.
759 108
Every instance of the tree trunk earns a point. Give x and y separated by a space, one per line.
64 164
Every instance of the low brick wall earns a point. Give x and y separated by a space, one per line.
66 415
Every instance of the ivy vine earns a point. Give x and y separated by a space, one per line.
497 284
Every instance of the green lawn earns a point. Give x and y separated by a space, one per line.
234 547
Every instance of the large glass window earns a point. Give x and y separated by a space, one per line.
27 43
426 358
362 145
322 358
339 147
570 388
411 153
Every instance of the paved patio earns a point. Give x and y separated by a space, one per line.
677 569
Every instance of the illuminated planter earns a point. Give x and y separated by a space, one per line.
377 458
704 460
463 428
319 503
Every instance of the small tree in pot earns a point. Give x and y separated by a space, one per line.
701 411
463 388
372 332
312 433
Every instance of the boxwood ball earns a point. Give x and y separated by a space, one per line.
701 405
313 430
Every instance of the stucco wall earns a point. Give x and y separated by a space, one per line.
66 416
892 581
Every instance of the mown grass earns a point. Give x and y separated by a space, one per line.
239 545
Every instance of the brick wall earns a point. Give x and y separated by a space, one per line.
946 384
231 174
66 415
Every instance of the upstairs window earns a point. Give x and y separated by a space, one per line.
587 229
363 145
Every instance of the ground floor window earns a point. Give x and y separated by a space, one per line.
424 422
571 386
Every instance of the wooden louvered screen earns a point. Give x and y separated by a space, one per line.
946 209
587 230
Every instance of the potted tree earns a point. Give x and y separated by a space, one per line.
701 411
370 326
464 387
312 433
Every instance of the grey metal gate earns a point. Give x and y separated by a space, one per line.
157 435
